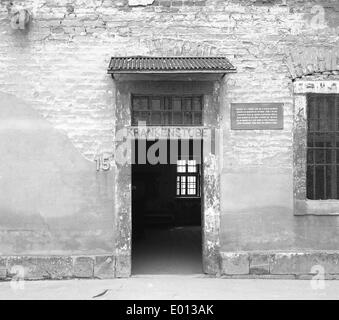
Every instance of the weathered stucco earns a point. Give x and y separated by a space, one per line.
53 79
52 199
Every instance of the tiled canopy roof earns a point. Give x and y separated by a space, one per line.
141 64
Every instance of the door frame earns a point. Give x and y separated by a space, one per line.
210 179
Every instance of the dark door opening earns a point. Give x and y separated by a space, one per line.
166 208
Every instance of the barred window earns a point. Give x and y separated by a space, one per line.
167 110
322 146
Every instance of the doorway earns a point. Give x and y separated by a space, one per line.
166 207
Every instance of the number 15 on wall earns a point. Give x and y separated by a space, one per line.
103 162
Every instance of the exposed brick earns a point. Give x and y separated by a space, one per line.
199 3
188 3
165 3
107 3
121 3
71 23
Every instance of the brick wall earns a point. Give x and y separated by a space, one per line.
58 68
59 63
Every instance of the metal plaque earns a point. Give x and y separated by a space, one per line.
257 116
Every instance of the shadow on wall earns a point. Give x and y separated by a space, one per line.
52 200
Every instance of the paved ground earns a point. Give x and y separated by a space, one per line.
170 287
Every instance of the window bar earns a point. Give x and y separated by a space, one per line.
162 113
182 109
325 126
333 151
334 164
148 117
172 107
318 112
313 151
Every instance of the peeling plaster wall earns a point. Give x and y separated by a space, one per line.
57 67
52 201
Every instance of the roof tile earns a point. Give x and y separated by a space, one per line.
169 64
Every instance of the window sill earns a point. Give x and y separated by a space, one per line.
192 197
322 207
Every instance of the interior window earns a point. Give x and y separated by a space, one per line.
187 178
